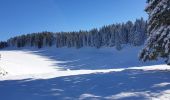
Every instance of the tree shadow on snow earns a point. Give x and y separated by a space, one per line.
125 85
91 58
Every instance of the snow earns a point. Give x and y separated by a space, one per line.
162 84
81 74
86 96
2 72
165 95
122 95
24 64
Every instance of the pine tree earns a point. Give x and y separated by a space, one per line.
3 44
139 32
117 38
158 43
112 38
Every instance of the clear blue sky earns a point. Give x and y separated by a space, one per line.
27 16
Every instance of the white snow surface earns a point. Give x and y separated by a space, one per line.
81 74
30 63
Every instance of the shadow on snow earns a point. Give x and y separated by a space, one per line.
92 58
123 85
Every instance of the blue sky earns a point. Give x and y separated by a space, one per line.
27 16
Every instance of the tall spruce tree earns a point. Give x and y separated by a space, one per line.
158 43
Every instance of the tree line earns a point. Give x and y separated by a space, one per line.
133 33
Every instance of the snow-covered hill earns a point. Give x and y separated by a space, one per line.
95 73
38 63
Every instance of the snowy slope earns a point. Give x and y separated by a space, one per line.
51 62
83 74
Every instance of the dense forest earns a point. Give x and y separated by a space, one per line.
133 33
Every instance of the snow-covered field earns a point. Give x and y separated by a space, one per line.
87 73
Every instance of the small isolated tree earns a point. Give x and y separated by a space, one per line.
158 43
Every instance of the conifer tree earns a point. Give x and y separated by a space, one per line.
158 43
